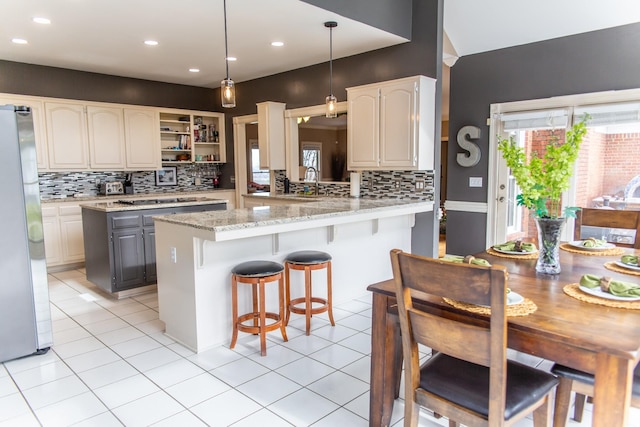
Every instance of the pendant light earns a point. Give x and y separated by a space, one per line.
331 100
227 88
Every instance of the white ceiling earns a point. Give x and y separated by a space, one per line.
106 36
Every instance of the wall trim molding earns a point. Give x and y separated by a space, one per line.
458 205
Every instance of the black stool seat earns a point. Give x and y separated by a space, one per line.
257 268
308 257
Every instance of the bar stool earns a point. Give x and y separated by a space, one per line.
256 274
308 261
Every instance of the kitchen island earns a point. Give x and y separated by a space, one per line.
119 239
196 252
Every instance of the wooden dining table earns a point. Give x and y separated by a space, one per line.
594 338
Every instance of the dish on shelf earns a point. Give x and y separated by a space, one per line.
603 247
629 266
598 292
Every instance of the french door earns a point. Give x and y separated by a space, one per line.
606 174
531 130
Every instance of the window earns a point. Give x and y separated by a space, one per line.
311 155
258 176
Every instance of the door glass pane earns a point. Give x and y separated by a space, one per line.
608 174
258 176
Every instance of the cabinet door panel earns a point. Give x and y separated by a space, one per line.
66 136
363 134
128 258
52 244
72 238
397 125
151 275
39 128
142 139
106 137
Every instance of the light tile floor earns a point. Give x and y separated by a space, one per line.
112 365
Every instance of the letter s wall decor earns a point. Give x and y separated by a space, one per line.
471 158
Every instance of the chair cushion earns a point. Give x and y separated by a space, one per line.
257 268
584 377
308 257
467 384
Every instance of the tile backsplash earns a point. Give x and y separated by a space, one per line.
374 184
60 184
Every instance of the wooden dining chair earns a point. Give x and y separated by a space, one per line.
469 380
582 384
609 218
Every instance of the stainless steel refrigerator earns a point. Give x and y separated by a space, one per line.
25 316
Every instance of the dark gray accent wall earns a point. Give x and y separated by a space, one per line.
393 16
590 62
38 80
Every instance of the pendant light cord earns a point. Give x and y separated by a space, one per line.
331 61
226 48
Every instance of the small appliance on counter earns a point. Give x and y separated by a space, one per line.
110 188
128 184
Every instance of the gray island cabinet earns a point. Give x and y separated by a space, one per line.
119 240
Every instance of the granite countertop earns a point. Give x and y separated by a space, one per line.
116 206
324 208
116 197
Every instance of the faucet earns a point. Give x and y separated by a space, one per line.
315 172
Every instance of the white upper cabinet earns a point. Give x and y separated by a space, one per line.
271 141
106 138
39 128
391 125
363 136
142 139
67 137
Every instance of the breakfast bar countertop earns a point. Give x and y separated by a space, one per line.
237 223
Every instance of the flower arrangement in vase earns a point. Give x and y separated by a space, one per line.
541 180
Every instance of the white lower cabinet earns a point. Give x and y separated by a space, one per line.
51 229
63 238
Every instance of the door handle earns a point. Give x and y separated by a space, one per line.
501 199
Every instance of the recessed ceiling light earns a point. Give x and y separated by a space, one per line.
19 41
231 58
194 70
277 44
40 20
151 42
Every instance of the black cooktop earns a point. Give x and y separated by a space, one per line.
157 201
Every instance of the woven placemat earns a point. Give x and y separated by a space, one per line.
615 267
574 291
525 308
533 255
607 252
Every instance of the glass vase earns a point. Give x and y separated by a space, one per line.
549 231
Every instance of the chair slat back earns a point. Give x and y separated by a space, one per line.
483 343
609 218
